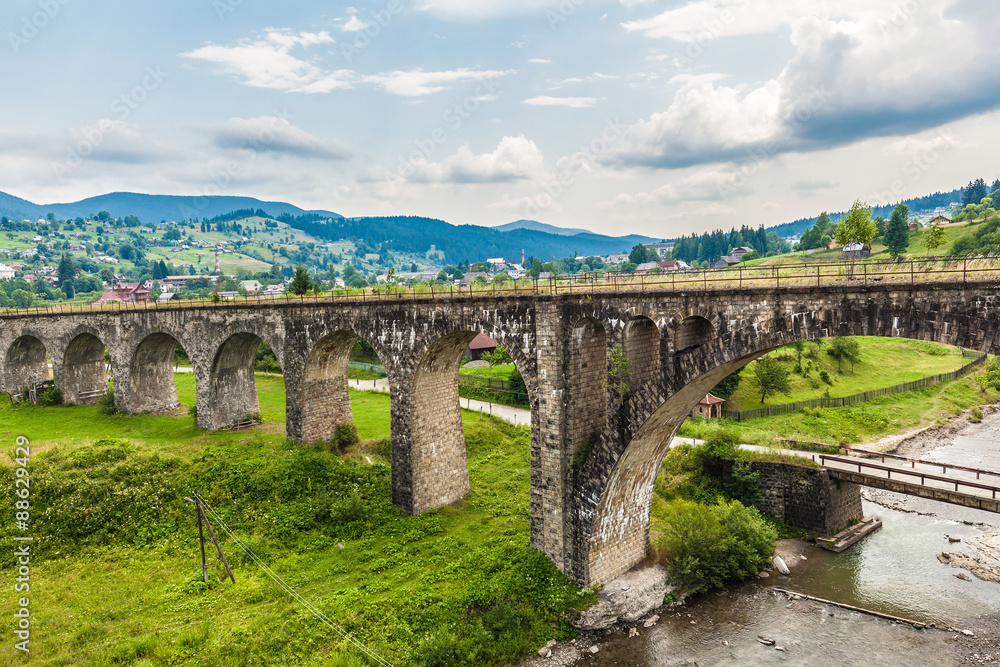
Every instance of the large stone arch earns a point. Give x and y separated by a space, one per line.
231 390
325 399
615 487
84 375
25 362
151 375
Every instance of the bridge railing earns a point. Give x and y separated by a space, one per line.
857 273
978 358
924 476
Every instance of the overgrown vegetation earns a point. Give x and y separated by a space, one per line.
702 524
117 560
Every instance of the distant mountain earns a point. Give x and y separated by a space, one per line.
148 208
536 226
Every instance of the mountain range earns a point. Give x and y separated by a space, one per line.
402 233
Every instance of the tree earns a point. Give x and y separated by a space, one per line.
619 371
897 234
844 349
770 376
974 192
934 237
641 254
300 282
67 272
728 386
856 227
798 346
497 357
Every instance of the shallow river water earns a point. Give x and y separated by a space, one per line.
894 571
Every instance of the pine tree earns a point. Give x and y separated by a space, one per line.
300 282
897 235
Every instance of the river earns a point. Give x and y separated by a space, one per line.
894 571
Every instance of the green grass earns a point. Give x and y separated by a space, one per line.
884 362
116 578
502 372
870 421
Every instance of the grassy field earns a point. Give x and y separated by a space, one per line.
115 576
884 362
866 422
502 371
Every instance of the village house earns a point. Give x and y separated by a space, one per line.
6 272
479 345
738 252
126 293
709 407
725 262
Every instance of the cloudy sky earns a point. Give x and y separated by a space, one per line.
650 116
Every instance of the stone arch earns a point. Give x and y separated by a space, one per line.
84 373
692 333
25 363
232 387
151 373
641 344
587 414
326 402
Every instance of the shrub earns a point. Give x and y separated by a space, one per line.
106 402
976 416
51 396
743 484
825 377
708 546
346 436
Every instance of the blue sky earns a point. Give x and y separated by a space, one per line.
620 116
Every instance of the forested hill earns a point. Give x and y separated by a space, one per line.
916 204
413 234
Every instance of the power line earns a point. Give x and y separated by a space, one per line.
288 589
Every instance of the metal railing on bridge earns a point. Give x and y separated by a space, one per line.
842 401
962 270
888 470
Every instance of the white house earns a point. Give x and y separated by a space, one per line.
6 273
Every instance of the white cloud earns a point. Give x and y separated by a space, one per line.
268 63
514 159
474 10
354 24
417 82
572 102
705 185
272 134
540 61
860 70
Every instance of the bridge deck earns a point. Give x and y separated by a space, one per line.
958 486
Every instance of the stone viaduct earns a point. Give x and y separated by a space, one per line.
589 513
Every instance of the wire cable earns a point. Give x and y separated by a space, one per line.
288 589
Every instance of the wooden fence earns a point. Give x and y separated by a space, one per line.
977 359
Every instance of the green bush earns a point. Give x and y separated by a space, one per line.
346 436
825 377
51 396
106 402
709 546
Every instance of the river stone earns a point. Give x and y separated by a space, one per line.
646 586
780 566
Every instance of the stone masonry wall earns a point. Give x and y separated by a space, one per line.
807 498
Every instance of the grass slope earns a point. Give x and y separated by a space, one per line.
115 577
884 362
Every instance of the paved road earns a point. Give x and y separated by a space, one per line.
506 412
